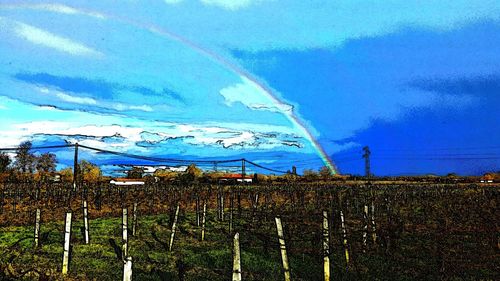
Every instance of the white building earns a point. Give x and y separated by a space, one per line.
122 181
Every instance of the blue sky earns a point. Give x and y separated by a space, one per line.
279 82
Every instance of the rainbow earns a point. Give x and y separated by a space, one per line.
294 119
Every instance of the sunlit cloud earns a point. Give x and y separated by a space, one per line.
73 98
253 97
78 100
54 7
44 38
129 137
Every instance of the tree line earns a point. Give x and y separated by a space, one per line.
27 166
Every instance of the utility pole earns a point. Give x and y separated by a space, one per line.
366 155
75 167
243 170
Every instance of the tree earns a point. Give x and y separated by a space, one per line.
261 178
165 175
290 177
4 162
191 175
325 173
195 171
46 163
66 174
310 175
25 160
135 173
89 172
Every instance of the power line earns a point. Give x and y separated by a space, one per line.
436 158
441 148
154 159
38 147
158 159
441 155
265 168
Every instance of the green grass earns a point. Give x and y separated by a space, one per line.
207 260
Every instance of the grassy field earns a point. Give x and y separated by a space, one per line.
422 234
101 260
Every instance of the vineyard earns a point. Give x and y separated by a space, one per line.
167 232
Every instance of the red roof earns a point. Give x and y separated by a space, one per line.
235 176
127 180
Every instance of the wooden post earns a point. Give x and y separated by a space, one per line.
284 257
203 220
239 203
218 205
344 234
197 209
37 227
67 237
236 258
134 220
254 206
124 234
75 168
231 206
127 269
86 221
222 204
173 228
374 229
326 247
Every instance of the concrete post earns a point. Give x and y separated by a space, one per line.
172 235
203 220
326 247
37 227
284 257
236 258
127 269
134 220
66 247
124 233
344 234
86 222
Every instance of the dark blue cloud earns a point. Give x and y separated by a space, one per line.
463 140
414 89
95 88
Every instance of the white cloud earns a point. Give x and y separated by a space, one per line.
124 107
3 107
234 139
253 97
127 138
56 8
73 99
41 37
47 108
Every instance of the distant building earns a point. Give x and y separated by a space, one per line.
236 178
124 181
55 177
487 178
